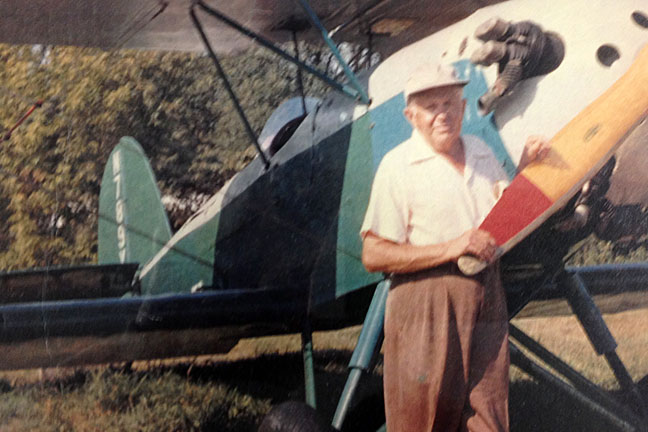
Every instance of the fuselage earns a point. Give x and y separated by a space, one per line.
277 242
296 224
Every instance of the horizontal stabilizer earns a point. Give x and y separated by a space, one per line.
66 283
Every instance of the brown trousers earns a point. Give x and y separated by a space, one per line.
446 352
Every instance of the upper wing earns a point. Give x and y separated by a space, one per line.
165 24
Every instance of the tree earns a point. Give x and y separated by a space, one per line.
172 103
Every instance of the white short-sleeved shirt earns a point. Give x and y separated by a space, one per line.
419 197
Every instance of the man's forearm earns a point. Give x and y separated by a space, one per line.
380 255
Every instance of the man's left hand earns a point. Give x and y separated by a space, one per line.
536 148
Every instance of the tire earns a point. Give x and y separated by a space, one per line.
294 417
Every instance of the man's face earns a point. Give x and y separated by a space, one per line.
437 114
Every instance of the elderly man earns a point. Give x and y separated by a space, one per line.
446 348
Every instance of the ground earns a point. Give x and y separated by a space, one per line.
232 392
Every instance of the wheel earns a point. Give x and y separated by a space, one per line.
294 417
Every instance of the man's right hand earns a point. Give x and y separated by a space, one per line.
476 242
381 255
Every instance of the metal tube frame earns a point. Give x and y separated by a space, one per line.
312 16
541 374
309 367
355 91
229 88
577 387
599 335
300 80
581 384
358 15
365 352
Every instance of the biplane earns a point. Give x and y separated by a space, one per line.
277 249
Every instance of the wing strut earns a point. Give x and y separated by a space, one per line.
300 81
229 88
354 91
347 70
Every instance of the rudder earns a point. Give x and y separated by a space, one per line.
133 224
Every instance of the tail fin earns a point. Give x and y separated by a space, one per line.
133 224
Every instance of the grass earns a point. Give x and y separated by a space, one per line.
101 399
233 392
565 336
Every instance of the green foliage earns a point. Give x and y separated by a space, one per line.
173 103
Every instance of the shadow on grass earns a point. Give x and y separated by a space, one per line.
271 376
252 386
278 378
5 387
537 408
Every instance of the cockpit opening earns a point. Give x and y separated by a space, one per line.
283 123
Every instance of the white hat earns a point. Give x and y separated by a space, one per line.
430 76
